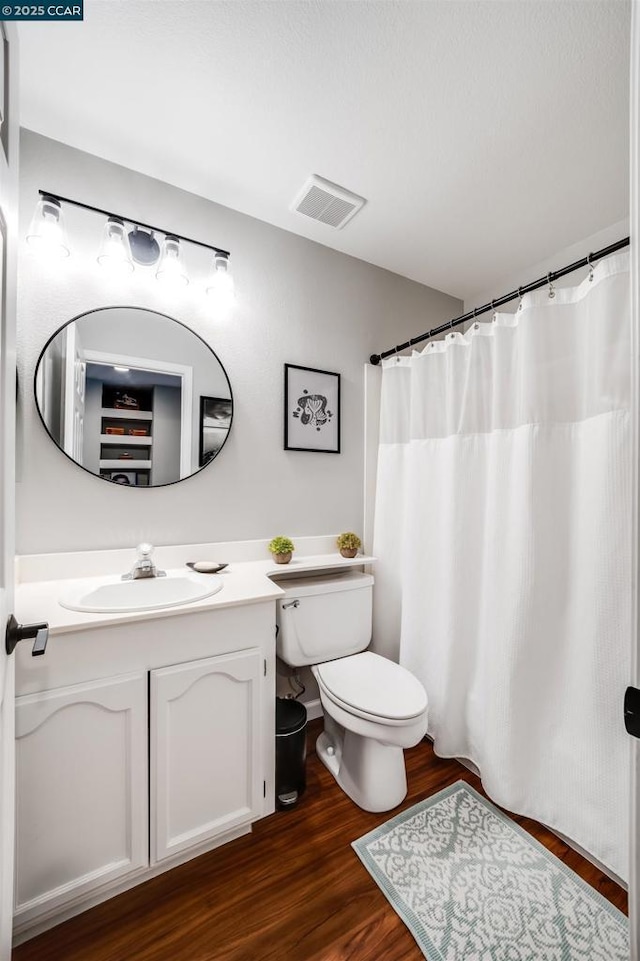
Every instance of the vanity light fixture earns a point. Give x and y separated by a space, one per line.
171 270
114 253
221 286
145 249
121 370
46 234
127 243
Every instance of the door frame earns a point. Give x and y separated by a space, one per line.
9 148
634 834
149 365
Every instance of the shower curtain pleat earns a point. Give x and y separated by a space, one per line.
503 532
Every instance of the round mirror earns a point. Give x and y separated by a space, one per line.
134 397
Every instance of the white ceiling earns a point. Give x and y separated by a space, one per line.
485 135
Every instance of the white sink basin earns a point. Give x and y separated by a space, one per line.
113 596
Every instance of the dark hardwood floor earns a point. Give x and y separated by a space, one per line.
293 890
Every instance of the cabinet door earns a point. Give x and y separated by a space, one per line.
206 768
82 790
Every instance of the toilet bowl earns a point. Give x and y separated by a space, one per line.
373 707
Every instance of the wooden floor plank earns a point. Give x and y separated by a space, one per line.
293 890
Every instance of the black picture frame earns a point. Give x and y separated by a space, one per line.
126 478
215 422
311 409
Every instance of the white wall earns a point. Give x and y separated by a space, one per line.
298 302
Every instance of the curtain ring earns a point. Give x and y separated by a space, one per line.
520 296
552 290
590 266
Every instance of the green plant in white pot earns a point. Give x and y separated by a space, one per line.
348 544
282 548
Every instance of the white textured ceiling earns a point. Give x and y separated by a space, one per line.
484 135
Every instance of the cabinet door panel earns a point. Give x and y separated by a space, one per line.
82 810
206 775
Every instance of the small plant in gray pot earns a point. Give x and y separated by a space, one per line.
348 544
282 548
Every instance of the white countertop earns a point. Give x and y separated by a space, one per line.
245 582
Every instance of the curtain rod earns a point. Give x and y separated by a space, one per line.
499 301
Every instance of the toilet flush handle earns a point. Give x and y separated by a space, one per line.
295 603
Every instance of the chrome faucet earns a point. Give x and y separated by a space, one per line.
144 566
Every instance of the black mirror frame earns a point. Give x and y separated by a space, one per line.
106 480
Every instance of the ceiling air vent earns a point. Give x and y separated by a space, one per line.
330 204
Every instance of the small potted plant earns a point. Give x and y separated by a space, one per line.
282 549
348 544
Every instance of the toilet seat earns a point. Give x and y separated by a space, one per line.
372 687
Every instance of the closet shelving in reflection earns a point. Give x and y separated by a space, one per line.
126 441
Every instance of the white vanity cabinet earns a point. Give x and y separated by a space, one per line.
81 785
139 746
206 776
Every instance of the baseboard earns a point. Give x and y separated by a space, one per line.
589 857
314 709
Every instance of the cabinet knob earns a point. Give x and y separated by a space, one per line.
38 633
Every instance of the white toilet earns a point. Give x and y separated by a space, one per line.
373 707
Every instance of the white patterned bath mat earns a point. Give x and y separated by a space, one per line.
472 885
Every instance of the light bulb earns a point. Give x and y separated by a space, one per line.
46 234
221 286
171 270
114 254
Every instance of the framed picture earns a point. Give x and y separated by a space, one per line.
311 409
215 421
125 477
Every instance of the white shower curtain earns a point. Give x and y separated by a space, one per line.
503 532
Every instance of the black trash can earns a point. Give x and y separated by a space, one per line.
291 751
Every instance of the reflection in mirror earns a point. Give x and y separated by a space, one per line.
133 396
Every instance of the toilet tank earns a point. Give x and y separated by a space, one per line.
322 618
